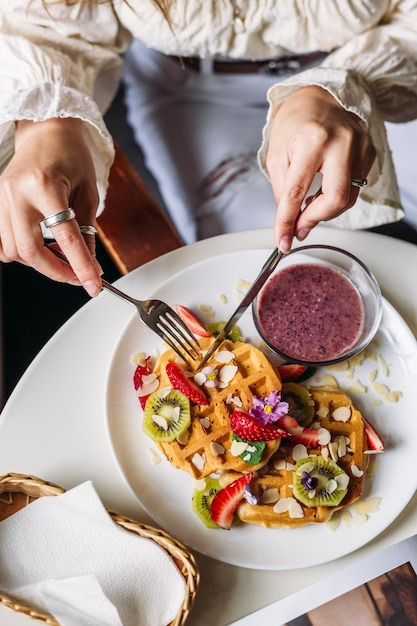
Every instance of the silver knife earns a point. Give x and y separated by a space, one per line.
267 269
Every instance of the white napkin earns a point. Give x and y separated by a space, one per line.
64 554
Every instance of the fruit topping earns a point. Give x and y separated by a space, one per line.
182 380
310 437
375 443
319 481
144 381
290 372
216 327
226 501
166 415
250 429
191 320
301 406
203 495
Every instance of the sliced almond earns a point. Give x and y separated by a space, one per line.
216 448
341 414
270 496
238 447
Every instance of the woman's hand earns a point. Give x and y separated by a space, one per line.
313 133
51 170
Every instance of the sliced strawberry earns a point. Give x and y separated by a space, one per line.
375 443
180 381
226 501
192 321
290 372
142 371
250 429
310 437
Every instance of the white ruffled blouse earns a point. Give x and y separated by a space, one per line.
60 60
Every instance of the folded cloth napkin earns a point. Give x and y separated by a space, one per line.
64 554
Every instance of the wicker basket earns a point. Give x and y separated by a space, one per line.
18 490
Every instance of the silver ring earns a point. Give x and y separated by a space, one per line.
358 182
59 218
88 230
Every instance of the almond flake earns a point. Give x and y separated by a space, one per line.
198 460
216 448
155 458
299 452
160 421
324 436
227 373
231 399
372 375
341 414
146 390
138 358
367 506
200 378
356 471
333 449
270 496
224 356
238 447
330 381
380 389
205 422
357 388
183 437
222 298
393 396
205 308
323 411
338 367
384 366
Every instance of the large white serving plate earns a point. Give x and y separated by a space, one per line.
166 492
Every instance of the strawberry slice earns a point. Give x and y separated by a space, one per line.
192 321
375 443
180 381
310 437
289 372
250 429
226 501
140 382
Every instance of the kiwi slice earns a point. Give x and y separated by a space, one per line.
203 495
319 481
166 415
215 327
301 404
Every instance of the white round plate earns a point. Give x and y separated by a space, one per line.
165 492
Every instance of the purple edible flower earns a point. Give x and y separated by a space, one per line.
269 409
309 482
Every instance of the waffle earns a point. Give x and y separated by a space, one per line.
326 400
255 376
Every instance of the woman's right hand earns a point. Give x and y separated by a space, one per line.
51 170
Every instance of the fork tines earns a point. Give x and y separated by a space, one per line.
179 337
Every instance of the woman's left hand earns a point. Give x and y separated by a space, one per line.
313 133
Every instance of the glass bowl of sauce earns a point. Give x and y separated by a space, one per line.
321 305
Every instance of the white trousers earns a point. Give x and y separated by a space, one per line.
200 134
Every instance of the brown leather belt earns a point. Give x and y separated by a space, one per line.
280 65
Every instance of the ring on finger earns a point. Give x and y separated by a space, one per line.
58 218
87 229
358 182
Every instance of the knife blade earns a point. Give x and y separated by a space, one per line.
266 270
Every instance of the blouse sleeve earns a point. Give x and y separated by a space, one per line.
373 75
60 61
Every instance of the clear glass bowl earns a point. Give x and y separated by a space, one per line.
321 305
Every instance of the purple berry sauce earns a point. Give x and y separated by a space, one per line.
310 312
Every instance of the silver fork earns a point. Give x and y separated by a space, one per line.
160 318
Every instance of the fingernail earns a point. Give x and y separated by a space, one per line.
285 244
303 233
92 288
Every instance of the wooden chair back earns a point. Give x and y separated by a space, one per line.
133 228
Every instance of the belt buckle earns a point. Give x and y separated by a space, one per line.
280 66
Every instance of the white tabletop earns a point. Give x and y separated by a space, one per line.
53 425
